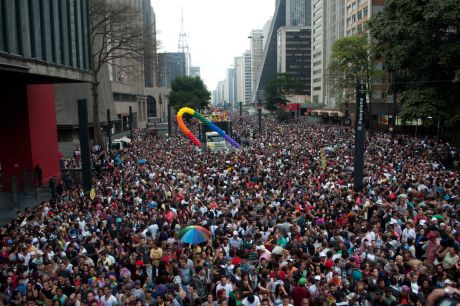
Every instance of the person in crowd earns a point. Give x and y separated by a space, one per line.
287 225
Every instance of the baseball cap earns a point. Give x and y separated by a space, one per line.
317 278
302 281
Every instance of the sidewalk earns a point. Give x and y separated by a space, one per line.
9 208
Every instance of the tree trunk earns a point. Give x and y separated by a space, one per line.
96 123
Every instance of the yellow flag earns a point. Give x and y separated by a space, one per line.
92 194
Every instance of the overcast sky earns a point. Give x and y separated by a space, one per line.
217 30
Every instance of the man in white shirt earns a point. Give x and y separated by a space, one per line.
224 284
409 231
313 289
236 242
108 299
251 300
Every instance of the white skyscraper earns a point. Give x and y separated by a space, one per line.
243 78
247 76
239 74
328 26
256 55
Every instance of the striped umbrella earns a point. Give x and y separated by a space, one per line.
194 234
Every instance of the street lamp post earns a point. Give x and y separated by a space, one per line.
109 131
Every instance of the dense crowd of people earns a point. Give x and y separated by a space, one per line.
287 226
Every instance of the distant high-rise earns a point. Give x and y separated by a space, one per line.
171 65
220 96
289 13
294 56
267 70
230 87
150 50
239 74
195 71
328 26
266 31
247 64
256 54
243 78
298 13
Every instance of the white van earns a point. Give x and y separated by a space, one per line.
215 142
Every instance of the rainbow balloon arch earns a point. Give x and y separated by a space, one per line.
189 134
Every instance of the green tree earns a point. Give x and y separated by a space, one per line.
279 89
190 92
353 60
420 42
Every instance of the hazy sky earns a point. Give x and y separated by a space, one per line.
217 30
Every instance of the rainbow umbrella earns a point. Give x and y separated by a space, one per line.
194 234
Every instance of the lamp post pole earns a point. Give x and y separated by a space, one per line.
131 122
109 131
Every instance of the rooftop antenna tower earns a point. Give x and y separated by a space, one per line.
183 45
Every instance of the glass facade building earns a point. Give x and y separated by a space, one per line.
51 31
298 13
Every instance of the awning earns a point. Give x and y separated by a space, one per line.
327 112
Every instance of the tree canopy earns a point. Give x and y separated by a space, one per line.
420 42
190 92
279 89
352 60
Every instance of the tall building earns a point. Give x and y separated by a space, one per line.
298 13
266 31
256 55
220 90
247 64
150 48
239 74
267 70
294 56
357 14
230 87
41 43
171 65
328 26
195 71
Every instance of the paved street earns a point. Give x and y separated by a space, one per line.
9 207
